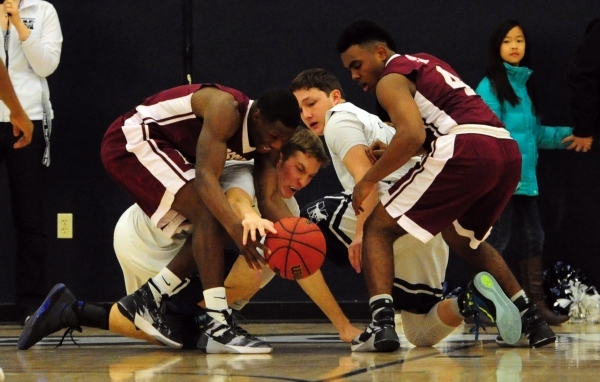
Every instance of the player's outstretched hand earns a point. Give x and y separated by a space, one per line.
362 189
252 223
250 249
579 143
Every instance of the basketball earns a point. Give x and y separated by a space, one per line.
297 250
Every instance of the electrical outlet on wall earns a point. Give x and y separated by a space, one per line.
64 226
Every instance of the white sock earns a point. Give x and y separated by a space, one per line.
388 300
519 294
216 302
166 282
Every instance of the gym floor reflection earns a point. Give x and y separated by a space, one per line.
303 352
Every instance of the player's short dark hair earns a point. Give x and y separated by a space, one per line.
307 142
317 78
364 31
279 105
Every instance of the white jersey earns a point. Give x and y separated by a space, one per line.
347 126
419 269
238 174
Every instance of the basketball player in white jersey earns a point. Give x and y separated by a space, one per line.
419 269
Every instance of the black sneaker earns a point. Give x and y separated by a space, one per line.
380 335
58 311
218 337
536 332
141 308
484 296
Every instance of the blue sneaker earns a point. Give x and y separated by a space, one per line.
484 296
58 311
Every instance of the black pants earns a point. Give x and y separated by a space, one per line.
27 184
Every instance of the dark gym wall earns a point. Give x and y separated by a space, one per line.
116 53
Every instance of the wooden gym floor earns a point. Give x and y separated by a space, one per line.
303 352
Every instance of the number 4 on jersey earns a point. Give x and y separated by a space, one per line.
455 82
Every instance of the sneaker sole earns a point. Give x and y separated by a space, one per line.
383 345
23 343
147 327
524 343
214 347
544 342
521 343
508 318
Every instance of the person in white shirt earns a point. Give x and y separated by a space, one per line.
419 268
32 48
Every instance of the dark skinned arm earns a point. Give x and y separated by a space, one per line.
221 121
395 93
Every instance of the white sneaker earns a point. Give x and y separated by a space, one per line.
218 337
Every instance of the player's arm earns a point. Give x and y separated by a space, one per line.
221 121
358 163
316 288
270 203
241 203
395 95
20 121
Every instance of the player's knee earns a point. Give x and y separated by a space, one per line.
419 339
459 244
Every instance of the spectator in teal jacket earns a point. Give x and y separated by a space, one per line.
507 90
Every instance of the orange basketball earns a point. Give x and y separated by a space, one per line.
297 250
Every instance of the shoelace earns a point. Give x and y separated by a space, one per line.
69 331
478 324
232 321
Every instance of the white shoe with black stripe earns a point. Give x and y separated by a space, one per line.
227 337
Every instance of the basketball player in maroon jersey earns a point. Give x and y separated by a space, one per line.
469 170
168 153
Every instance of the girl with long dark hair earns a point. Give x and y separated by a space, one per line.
508 90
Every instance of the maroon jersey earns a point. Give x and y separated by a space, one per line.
443 99
167 116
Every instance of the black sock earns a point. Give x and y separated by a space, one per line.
522 303
95 316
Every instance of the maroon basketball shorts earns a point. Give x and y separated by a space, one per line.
150 170
466 181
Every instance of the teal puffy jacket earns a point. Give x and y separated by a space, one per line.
524 126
